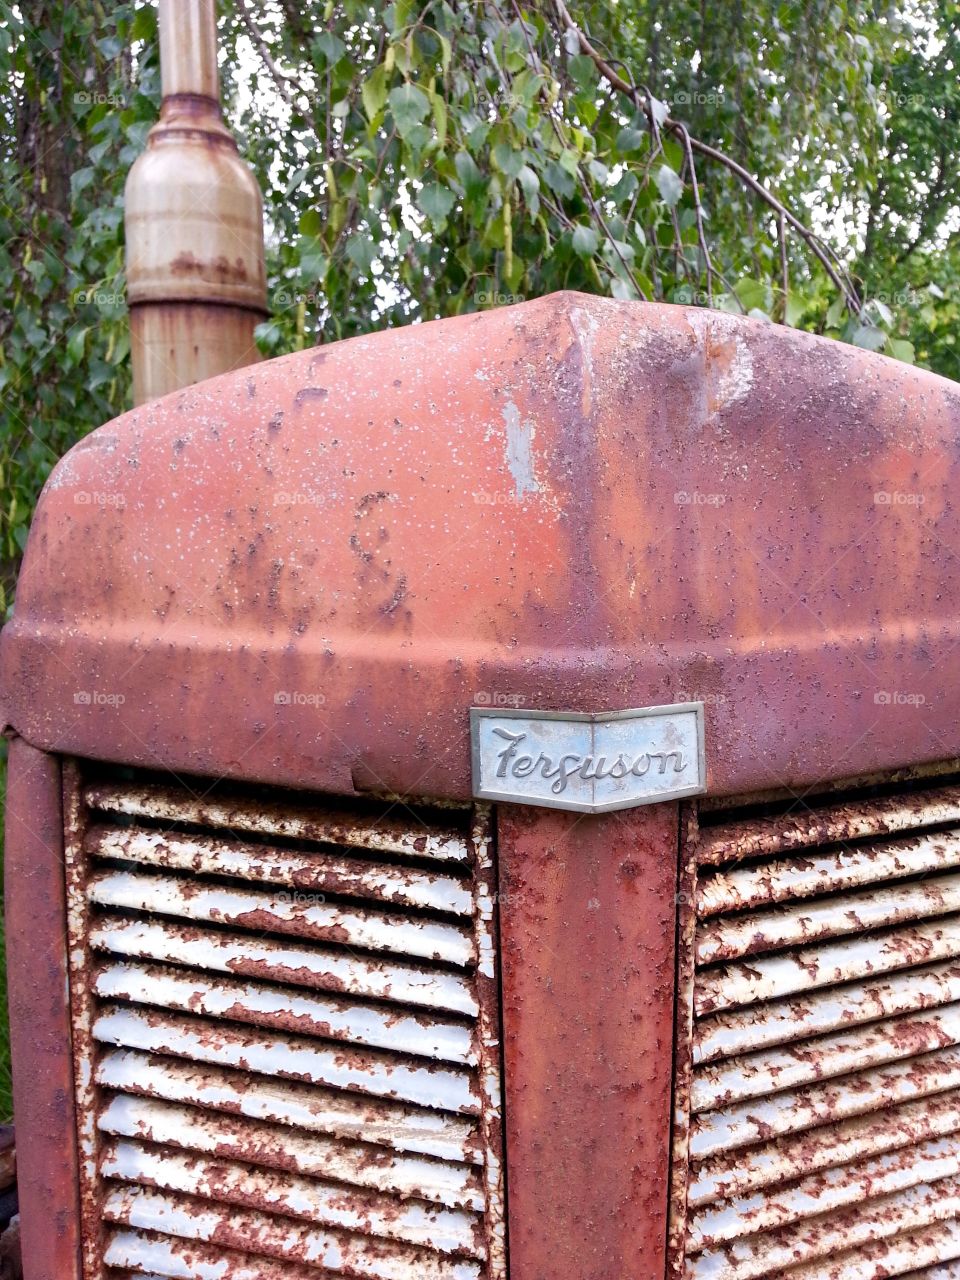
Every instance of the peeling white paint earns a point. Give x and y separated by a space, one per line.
519 450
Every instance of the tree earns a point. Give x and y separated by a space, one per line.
798 163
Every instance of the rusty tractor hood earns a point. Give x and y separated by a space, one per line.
306 572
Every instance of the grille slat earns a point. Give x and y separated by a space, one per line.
819 1115
781 1022
810 968
262 1004
258 957
287 1055
807 877
322 1203
290 819
259 909
364 1165
343 1115
874 909
780 1161
171 1259
193 1218
348 877
823 1057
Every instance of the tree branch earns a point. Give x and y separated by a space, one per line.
814 243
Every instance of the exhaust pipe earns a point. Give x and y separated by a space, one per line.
196 281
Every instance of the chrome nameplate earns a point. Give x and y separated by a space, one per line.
589 763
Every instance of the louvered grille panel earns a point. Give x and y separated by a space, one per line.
286 1036
818 1117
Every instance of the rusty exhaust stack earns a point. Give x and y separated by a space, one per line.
194 223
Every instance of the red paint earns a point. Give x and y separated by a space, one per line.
588 934
390 529
39 1017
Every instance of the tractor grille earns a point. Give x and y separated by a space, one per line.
285 1034
818 1121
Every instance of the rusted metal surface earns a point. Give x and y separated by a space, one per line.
293 1117
289 869
82 1015
379 531
325 821
825 1123
280 1147
255 957
488 1038
683 1052
784 1159
343 1115
588 935
303 917
853 913
807 968
780 1022
795 878
293 1196
810 825
35 913
193 215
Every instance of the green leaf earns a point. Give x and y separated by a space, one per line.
409 106
900 349
669 185
373 91
436 201
529 182
439 109
869 337
508 160
76 345
362 252
80 179
468 172
585 241
331 46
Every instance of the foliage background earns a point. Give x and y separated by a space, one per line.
433 157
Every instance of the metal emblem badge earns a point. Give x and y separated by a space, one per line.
588 763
